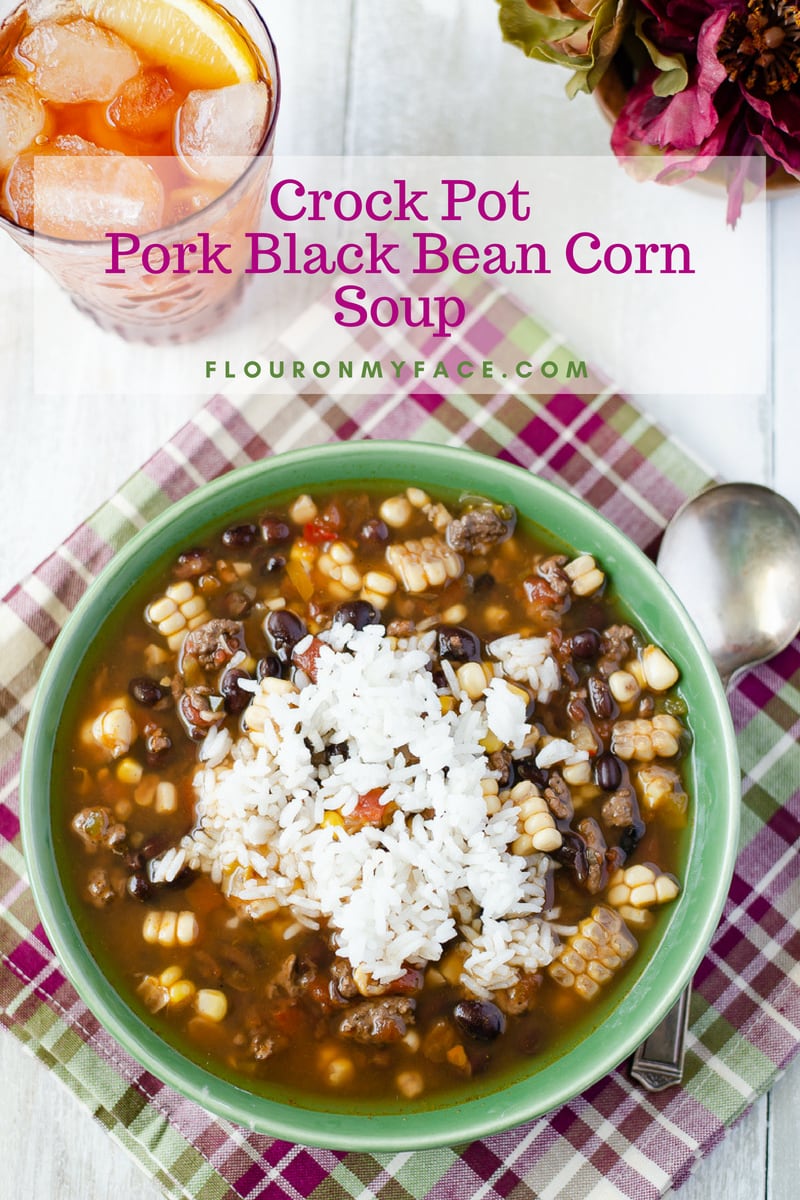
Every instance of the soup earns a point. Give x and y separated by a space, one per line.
373 793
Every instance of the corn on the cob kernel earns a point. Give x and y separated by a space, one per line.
645 738
438 516
584 575
535 822
594 953
659 670
180 609
211 1003
640 886
420 564
169 928
115 731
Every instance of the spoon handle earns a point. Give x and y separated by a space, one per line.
658 1062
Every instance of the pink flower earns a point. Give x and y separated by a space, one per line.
742 97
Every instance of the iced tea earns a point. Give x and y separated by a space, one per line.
134 116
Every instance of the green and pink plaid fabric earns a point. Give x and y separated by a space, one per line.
613 1141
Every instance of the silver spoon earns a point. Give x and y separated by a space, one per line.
732 554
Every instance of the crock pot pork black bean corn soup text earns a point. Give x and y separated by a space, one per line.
373 793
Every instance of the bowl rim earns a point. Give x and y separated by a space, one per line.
425 1128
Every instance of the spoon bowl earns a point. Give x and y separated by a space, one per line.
732 554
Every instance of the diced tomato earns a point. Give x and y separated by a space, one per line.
408 984
289 1020
307 659
368 809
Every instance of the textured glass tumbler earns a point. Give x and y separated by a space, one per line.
167 308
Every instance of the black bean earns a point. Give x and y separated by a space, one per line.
182 880
483 583
286 628
479 1019
608 771
192 563
358 613
139 886
527 770
585 644
439 679
462 645
630 838
269 667
374 531
274 530
147 692
236 536
600 698
236 698
236 605
273 564
572 854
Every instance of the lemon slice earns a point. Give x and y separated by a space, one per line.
188 37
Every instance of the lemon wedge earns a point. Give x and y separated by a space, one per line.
189 37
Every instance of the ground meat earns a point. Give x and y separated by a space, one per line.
157 742
379 1020
97 828
292 977
559 797
620 809
400 629
99 888
615 649
551 570
501 760
477 531
342 974
214 643
595 854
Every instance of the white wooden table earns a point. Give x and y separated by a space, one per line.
424 77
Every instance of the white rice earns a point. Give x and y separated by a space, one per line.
395 896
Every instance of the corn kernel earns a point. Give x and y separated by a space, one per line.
181 991
447 703
332 819
472 679
340 1071
417 497
211 1004
666 889
455 614
659 670
169 976
395 511
160 609
166 797
187 930
623 687
303 510
129 771
643 896
577 773
409 1083
115 731
167 929
380 582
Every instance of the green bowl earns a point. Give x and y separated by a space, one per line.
655 977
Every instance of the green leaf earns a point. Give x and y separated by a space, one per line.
674 75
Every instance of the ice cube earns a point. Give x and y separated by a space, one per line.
21 118
221 129
78 191
77 60
145 106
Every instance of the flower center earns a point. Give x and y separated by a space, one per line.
761 47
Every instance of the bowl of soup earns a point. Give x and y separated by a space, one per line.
379 796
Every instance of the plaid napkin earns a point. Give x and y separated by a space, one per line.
614 1141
